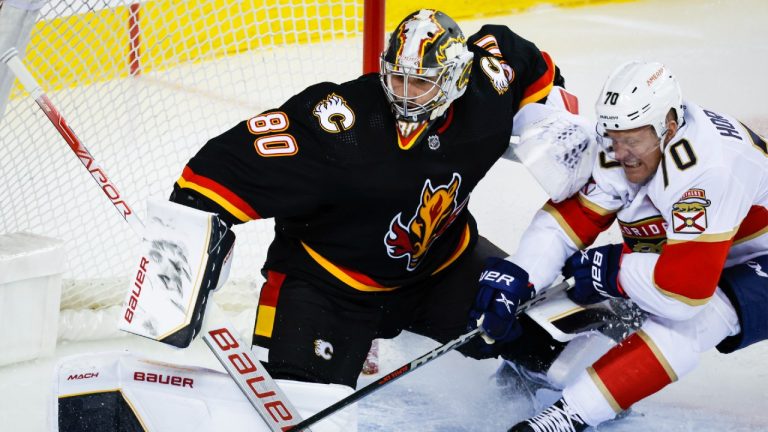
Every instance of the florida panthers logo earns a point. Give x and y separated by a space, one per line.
689 215
334 114
436 211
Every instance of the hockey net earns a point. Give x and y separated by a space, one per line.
144 85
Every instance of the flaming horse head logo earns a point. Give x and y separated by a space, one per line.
436 211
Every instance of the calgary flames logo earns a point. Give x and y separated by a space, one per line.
498 72
334 114
435 213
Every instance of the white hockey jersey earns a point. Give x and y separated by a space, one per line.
705 208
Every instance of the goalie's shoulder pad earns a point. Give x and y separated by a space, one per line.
557 147
185 255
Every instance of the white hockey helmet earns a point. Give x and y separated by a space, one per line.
638 94
427 45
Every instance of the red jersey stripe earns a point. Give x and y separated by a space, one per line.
217 193
352 278
689 271
541 87
265 315
581 223
362 282
271 289
753 226
631 371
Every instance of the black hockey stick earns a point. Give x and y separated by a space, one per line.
421 361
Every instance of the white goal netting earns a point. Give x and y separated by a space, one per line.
144 85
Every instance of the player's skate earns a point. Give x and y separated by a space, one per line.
558 418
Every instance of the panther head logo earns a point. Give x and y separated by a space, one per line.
436 211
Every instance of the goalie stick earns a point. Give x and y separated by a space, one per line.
237 363
421 361
251 377
11 58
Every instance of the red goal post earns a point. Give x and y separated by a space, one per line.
145 84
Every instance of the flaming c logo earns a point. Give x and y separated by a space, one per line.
435 213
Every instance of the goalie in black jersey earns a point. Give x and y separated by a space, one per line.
368 182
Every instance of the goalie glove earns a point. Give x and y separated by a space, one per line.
185 255
558 148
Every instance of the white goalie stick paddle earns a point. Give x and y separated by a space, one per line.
251 377
421 361
245 370
11 58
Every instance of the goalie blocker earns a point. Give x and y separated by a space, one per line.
185 255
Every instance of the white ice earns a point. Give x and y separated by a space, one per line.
719 52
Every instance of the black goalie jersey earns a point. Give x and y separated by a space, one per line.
351 206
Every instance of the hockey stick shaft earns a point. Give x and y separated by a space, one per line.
11 58
417 363
221 340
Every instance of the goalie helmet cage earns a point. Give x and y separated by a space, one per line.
144 85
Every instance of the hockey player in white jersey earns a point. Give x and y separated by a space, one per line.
689 188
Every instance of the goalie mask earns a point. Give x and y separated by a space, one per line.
637 94
425 66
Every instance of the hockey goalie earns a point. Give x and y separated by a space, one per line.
368 182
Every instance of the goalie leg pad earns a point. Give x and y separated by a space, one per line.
311 398
118 391
121 392
185 255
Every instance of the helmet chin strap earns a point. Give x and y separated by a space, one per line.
665 136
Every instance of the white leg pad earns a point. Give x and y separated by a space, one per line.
310 398
175 398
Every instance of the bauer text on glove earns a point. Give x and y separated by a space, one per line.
503 287
595 273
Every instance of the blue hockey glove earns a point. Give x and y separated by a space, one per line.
596 274
503 287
